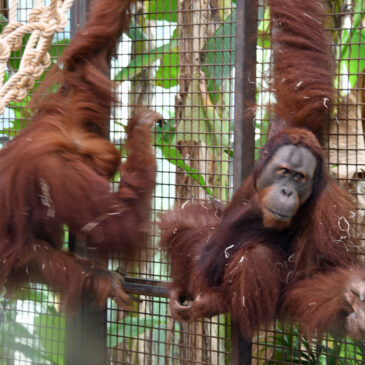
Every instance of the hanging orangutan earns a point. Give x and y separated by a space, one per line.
56 172
285 243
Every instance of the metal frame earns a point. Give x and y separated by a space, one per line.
244 128
245 91
86 333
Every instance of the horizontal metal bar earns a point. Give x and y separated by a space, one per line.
140 286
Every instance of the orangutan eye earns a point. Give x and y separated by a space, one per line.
299 177
283 171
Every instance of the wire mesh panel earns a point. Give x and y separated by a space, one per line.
283 342
32 327
178 59
184 59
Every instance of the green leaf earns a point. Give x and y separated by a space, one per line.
263 39
57 48
142 61
355 24
165 134
168 72
291 348
27 293
163 10
219 54
16 337
133 327
173 156
29 351
353 48
357 55
16 56
50 329
135 32
17 330
229 152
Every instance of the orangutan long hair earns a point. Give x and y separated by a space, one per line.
56 172
284 244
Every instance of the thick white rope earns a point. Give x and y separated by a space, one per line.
43 23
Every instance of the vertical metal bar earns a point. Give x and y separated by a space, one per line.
79 12
86 331
240 348
245 90
86 337
244 118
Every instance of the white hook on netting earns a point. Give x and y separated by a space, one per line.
43 22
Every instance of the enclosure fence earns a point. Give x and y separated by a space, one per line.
206 66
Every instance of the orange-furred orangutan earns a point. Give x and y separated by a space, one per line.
56 172
285 243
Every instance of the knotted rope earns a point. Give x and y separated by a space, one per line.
43 23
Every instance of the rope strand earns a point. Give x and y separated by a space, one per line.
43 22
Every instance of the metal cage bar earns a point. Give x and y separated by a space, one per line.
244 128
101 337
86 331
